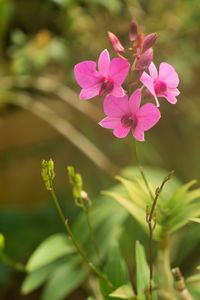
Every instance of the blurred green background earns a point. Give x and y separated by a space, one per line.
41 116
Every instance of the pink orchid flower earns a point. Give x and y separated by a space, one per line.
108 79
162 84
125 115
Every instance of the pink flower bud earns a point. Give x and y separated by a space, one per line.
133 31
149 41
144 60
115 43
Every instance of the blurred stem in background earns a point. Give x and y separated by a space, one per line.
48 176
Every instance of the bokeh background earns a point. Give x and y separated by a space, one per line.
42 117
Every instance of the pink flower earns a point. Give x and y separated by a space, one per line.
124 116
162 84
108 79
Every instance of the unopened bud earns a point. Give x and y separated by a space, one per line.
48 173
149 41
115 43
133 31
2 242
144 60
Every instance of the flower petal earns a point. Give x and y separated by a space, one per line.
147 116
104 62
168 74
120 131
148 82
86 74
170 95
90 92
153 71
110 122
118 91
170 98
118 70
135 100
138 134
116 107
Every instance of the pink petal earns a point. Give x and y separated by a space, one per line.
86 74
116 107
118 91
110 122
153 71
170 98
168 74
170 95
135 100
147 116
90 92
148 82
138 134
104 62
120 131
118 71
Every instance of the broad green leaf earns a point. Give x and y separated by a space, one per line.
35 279
142 271
136 194
64 280
194 279
115 270
197 220
124 292
52 248
178 197
138 213
91 298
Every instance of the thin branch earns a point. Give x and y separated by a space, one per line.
41 110
181 288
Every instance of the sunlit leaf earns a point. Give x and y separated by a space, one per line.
49 250
124 292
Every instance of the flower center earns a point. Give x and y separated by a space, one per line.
128 121
160 87
106 87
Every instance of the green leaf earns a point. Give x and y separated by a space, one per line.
197 220
36 278
142 271
124 292
52 248
194 279
115 270
64 280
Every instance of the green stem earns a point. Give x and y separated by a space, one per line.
164 269
87 213
11 263
142 172
77 246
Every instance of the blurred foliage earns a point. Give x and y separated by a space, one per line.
40 41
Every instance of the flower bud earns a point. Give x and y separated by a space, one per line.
144 60
133 31
2 242
149 41
48 173
115 43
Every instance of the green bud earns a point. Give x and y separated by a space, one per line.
2 242
48 173
76 182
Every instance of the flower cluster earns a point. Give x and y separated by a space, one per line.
123 110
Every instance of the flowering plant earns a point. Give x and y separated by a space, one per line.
93 250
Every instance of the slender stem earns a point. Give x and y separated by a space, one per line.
142 173
150 259
11 263
77 246
87 213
